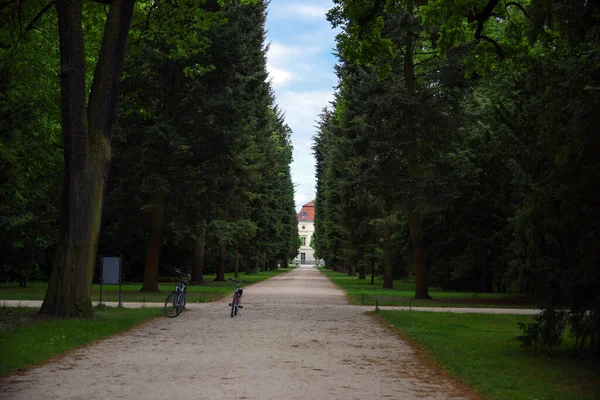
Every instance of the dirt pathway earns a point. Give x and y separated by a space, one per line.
296 339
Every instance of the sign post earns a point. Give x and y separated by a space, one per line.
111 274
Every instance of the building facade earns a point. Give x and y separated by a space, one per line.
306 228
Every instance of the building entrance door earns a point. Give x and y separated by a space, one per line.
302 258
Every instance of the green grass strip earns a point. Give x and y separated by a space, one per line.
361 292
26 338
478 348
131 292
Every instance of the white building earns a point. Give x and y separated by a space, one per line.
306 228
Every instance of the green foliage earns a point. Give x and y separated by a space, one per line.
30 144
196 120
212 139
488 130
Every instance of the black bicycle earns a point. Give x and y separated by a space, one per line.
175 302
236 302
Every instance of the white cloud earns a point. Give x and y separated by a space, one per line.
286 63
303 108
300 66
279 77
300 198
310 11
280 52
305 11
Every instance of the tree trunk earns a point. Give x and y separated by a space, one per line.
30 249
351 266
388 280
236 267
414 223
87 135
414 214
159 200
361 270
256 265
198 270
221 264
372 271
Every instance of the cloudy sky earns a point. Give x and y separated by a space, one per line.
300 63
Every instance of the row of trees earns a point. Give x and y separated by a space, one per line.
191 163
462 147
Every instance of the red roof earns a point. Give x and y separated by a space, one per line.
309 210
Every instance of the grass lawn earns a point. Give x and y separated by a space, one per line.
27 338
478 348
362 292
131 292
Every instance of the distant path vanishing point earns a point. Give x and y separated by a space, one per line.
297 338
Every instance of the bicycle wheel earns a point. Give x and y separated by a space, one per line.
237 305
171 308
181 303
234 305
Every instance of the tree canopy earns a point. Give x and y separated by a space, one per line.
188 168
465 130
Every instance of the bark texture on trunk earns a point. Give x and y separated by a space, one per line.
198 270
236 265
263 262
372 271
153 247
351 266
414 223
87 134
26 274
388 280
414 214
221 265
361 271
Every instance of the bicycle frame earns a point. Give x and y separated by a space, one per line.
236 301
176 299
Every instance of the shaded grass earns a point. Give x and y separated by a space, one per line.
478 348
362 292
27 338
131 291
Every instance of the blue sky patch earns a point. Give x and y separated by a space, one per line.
300 65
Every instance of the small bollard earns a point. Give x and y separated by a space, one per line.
409 304
377 305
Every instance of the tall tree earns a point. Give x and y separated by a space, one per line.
410 115
87 130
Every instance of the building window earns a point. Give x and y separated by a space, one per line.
303 240
303 215
303 227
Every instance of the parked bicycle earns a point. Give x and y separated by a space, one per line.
176 300
236 302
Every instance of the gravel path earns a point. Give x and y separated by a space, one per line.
297 338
